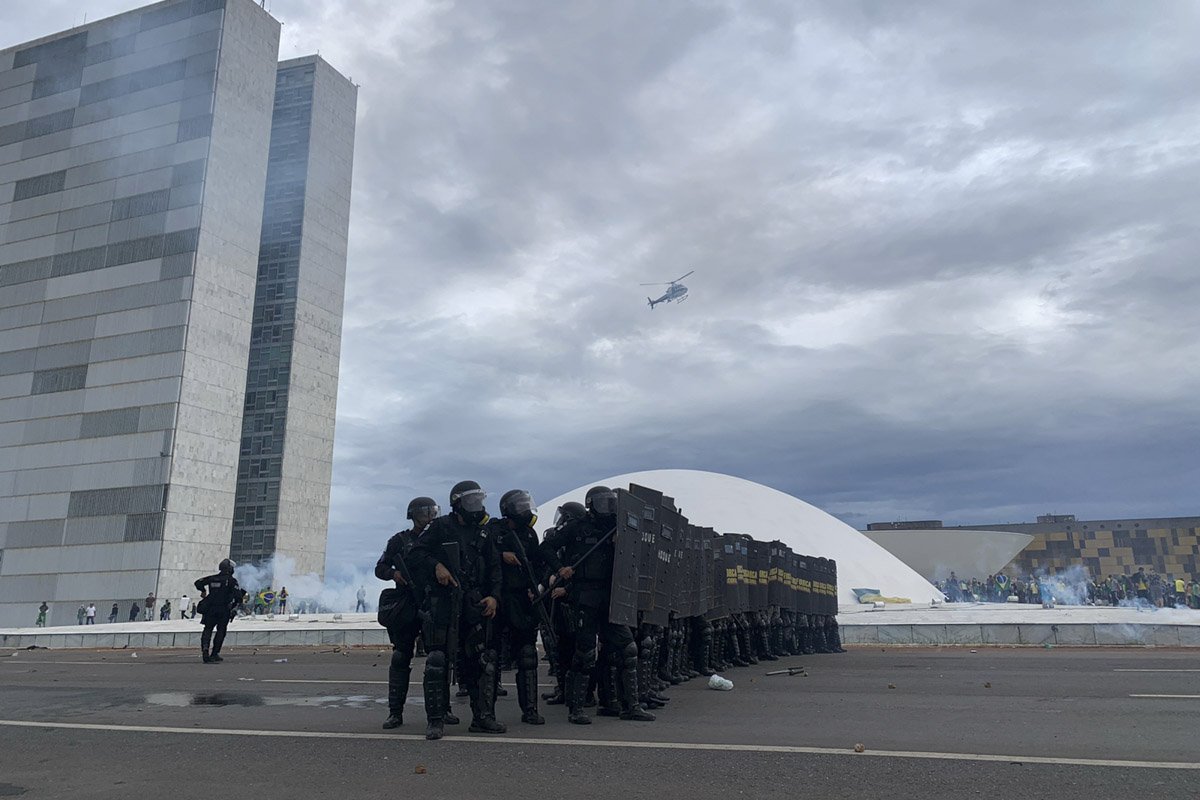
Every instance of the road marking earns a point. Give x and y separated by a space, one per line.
28 662
643 745
1170 696
299 680
380 683
1156 670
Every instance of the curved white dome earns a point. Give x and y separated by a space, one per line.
734 505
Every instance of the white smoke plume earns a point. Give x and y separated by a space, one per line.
306 591
1068 587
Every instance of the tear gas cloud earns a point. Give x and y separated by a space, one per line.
337 592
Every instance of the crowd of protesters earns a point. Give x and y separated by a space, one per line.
1139 589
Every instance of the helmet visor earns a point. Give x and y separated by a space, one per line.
425 513
604 503
521 504
471 501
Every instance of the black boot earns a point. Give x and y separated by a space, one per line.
399 673
576 686
606 691
556 697
631 709
483 699
436 689
527 678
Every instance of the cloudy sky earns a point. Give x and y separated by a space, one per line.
944 253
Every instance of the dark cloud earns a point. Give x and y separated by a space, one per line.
944 252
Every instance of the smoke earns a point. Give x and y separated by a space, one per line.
306 591
1067 587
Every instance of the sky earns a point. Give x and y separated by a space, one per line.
944 253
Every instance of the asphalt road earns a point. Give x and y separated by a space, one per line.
1028 723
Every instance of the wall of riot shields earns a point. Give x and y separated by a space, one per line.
669 566
730 597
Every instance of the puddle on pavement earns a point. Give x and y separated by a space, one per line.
250 699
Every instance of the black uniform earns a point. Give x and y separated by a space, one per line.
216 609
588 595
404 625
518 620
479 576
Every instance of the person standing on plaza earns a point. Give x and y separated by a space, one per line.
148 613
91 614
41 617
219 595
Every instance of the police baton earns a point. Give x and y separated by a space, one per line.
456 595
581 559
523 557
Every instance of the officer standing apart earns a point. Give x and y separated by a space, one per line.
403 624
456 558
523 568
588 594
219 594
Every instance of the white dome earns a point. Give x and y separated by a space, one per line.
734 505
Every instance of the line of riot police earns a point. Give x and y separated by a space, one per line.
628 596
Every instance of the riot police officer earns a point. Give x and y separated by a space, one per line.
560 617
219 595
399 610
589 593
457 560
524 568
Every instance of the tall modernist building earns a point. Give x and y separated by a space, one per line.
160 334
282 503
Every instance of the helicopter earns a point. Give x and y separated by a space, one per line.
675 291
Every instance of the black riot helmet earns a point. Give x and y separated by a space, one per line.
518 505
568 511
227 566
422 511
601 501
466 500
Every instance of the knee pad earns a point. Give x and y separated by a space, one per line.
629 655
583 661
436 661
527 657
401 659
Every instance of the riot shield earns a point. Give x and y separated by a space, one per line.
797 597
778 588
702 583
742 554
804 576
664 587
758 573
821 585
686 588
627 544
672 551
727 571
833 589
651 568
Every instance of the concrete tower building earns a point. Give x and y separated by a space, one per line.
286 461
133 163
